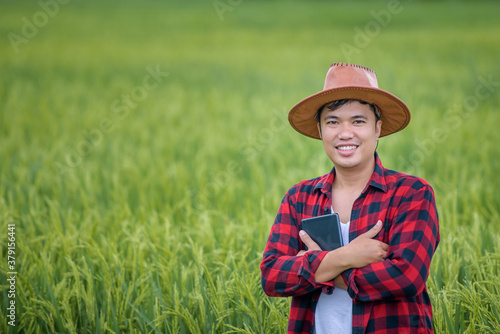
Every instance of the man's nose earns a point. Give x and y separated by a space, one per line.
346 131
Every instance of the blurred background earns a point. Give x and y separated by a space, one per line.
145 148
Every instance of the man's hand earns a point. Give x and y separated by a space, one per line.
364 250
308 241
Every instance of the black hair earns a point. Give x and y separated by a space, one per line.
334 105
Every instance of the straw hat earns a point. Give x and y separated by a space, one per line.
349 81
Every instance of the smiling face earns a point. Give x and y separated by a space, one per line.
349 135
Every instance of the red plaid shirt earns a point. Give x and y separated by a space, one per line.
388 296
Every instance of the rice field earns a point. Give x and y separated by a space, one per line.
145 148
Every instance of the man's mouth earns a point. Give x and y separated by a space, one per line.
346 148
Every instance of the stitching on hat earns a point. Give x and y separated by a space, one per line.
353 65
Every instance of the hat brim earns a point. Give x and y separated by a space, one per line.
395 115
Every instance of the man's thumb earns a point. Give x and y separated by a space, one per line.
373 231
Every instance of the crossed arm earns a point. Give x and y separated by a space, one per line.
361 252
368 268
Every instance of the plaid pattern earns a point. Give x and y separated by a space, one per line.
389 296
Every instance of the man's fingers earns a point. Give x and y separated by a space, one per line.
308 241
373 231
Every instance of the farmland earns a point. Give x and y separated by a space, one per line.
145 148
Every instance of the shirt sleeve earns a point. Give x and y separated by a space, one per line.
283 273
413 238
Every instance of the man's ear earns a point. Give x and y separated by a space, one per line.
319 130
378 128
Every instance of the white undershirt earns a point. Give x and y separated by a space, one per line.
334 312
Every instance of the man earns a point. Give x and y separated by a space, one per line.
376 282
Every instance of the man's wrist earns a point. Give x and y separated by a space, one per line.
343 258
332 265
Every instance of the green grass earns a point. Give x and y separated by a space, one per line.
158 224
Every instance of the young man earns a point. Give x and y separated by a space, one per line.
376 282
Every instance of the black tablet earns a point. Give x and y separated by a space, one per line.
324 230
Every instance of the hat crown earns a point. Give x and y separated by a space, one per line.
349 75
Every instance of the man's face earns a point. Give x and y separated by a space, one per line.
350 134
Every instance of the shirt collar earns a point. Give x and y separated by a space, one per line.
378 177
377 180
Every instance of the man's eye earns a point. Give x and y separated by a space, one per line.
359 121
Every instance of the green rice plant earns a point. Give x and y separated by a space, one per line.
158 224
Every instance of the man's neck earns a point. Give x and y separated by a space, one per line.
353 179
